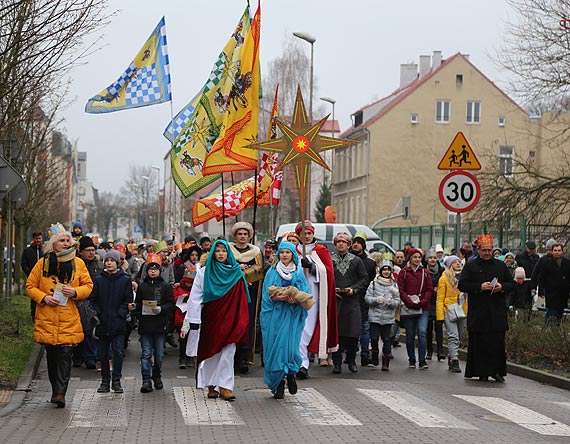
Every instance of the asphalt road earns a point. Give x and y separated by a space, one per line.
400 406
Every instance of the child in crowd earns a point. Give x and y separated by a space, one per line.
181 296
383 298
153 305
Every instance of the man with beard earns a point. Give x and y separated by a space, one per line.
486 281
250 259
359 250
320 335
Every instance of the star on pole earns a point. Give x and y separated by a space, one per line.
300 145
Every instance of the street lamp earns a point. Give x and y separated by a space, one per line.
347 192
311 40
157 168
147 180
332 102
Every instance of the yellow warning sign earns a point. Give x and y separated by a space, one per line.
459 156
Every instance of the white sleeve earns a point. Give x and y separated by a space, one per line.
193 315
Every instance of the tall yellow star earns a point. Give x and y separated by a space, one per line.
300 145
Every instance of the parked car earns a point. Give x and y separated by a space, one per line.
325 233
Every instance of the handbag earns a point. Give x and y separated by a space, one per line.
455 311
405 310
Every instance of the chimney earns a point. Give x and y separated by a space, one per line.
408 73
436 59
425 65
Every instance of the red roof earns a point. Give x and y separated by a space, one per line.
404 92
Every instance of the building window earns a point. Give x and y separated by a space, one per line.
459 80
506 161
442 111
473 112
414 119
358 118
502 120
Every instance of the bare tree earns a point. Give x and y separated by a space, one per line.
140 197
537 188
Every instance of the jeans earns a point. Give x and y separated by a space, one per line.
116 343
553 317
454 330
411 324
348 344
438 337
152 345
365 339
381 331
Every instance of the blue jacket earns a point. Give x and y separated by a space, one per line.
110 298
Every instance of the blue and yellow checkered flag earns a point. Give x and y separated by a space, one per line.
146 81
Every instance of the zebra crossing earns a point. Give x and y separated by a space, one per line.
311 407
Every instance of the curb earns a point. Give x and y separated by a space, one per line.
25 381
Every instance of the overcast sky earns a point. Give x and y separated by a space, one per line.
360 46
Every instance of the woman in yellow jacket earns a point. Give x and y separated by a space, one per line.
447 294
56 283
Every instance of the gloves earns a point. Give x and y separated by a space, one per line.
194 326
306 263
156 310
381 300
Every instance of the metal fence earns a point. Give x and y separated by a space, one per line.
512 236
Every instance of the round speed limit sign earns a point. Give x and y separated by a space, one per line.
459 191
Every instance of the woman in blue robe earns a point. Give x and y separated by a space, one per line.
282 321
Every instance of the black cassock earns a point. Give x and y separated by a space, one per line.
486 317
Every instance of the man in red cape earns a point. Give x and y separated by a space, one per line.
320 335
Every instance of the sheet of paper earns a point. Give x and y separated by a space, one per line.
147 307
58 294
183 306
494 284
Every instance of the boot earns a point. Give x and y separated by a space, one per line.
385 362
454 367
374 361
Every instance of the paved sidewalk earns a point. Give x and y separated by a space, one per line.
403 405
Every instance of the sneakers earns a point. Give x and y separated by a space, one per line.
158 383
90 365
428 356
423 365
243 368
292 384
454 366
375 361
352 367
411 364
181 364
303 373
146 387
280 392
364 360
104 388
117 387
337 369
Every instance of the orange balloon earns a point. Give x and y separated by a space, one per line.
330 214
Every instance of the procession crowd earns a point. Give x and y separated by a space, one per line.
295 303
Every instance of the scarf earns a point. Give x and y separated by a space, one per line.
434 269
286 272
61 265
384 281
220 277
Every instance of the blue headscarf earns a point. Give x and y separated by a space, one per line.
284 245
220 277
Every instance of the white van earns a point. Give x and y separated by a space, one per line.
325 233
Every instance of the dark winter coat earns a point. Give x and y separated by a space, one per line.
110 298
95 267
30 256
370 266
349 272
154 290
555 279
410 283
487 312
527 261
434 280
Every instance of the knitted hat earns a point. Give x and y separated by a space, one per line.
77 224
430 253
438 248
113 254
413 251
530 244
520 273
242 226
85 242
308 226
360 237
449 260
271 243
550 244
343 236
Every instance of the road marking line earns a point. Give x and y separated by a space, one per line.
520 415
196 409
92 409
314 409
416 410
